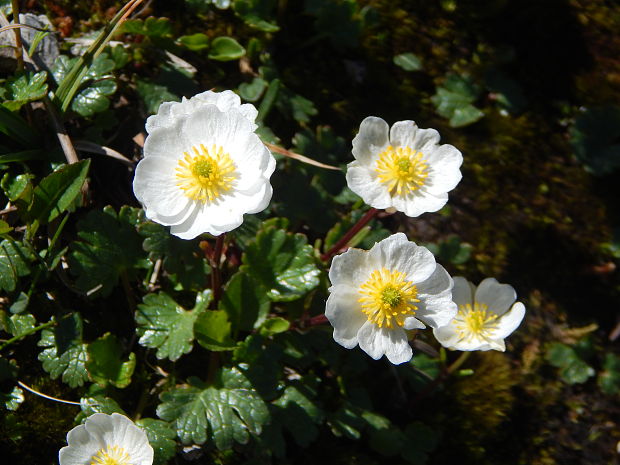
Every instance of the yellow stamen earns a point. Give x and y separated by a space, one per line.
475 322
113 455
387 298
402 169
206 174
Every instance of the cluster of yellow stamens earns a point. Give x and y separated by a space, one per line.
402 169
475 321
388 298
206 174
113 455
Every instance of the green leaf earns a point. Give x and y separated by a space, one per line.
257 14
18 325
151 27
227 412
408 62
260 363
109 246
64 353
153 95
25 88
94 99
183 261
4 228
245 301
166 326
253 91
15 127
283 263
12 400
454 100
274 326
56 192
161 438
451 250
573 370
18 187
98 404
14 263
225 49
212 330
195 42
609 378
105 365
299 413
594 138
421 440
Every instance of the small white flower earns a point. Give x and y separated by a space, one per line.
203 166
378 294
106 440
403 167
485 316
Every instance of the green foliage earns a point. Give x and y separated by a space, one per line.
195 42
105 364
245 302
594 137
151 27
609 378
95 86
212 330
257 14
17 325
454 100
183 261
408 62
573 369
25 88
64 354
283 263
230 410
109 247
451 250
225 49
15 261
161 438
166 326
153 95
253 91
56 192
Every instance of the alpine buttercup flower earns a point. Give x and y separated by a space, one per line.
403 167
106 440
378 294
203 166
486 316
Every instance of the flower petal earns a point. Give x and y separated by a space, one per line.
463 291
403 134
364 183
419 202
396 253
498 297
444 169
377 341
510 321
349 268
345 315
370 140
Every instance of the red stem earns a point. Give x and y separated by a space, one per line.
369 215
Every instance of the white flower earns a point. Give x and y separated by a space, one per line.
203 166
485 316
106 440
406 169
378 294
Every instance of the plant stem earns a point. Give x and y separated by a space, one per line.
18 36
45 396
216 277
36 329
443 376
369 215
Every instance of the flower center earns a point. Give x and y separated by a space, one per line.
387 298
206 174
113 455
476 321
401 169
